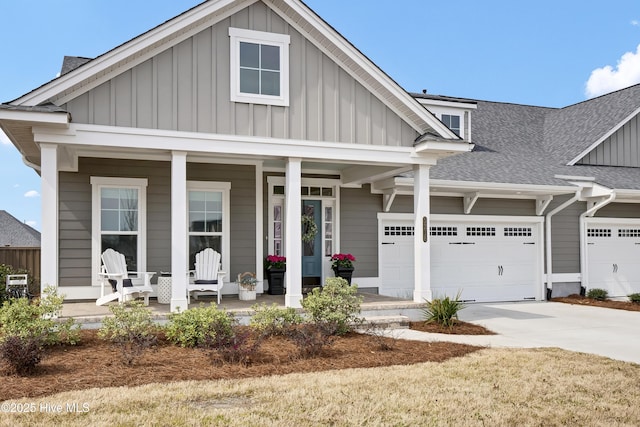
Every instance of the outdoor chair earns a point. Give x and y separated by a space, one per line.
17 286
207 276
123 286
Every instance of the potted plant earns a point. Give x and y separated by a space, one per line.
342 265
247 283
275 267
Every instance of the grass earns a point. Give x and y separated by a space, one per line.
497 387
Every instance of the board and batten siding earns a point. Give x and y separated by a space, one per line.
75 213
619 149
187 88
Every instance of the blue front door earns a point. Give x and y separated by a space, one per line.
312 250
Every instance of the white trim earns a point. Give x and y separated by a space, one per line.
224 188
179 231
564 278
604 137
421 239
487 218
57 118
293 235
460 105
281 41
97 184
259 226
50 210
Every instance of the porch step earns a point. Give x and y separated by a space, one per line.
387 322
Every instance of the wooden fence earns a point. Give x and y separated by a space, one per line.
22 258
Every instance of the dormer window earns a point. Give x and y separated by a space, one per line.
452 122
259 67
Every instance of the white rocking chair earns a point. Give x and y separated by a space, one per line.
207 276
114 272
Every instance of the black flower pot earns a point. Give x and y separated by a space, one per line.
344 272
276 281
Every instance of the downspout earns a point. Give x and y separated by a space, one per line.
583 235
547 230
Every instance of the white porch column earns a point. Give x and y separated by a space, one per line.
179 238
49 236
293 235
421 240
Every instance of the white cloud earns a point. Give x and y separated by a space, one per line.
608 79
31 223
635 22
4 139
32 193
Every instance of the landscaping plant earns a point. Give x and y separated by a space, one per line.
597 294
635 297
443 311
192 328
312 338
273 320
131 328
336 303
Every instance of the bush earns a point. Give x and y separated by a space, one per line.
443 311
22 353
194 327
234 346
336 303
24 318
597 294
131 328
312 338
634 298
273 320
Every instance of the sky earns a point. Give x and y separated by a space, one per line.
546 52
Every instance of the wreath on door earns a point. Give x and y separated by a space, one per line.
309 229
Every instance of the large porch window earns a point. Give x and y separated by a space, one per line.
119 212
208 205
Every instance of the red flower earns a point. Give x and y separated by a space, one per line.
342 260
275 261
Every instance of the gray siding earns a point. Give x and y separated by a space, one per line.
186 88
75 213
359 228
620 210
620 149
565 236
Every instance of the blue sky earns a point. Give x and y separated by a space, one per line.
549 53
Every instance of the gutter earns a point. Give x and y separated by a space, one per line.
547 230
583 235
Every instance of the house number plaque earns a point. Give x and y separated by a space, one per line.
425 229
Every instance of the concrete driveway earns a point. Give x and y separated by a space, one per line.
602 331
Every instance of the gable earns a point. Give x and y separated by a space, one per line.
621 148
187 88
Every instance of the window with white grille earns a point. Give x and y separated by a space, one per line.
444 231
517 231
481 231
598 232
398 230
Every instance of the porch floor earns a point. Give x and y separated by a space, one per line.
89 315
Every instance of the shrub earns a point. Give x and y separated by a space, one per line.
193 327
273 320
131 328
597 294
22 353
24 318
443 311
312 338
634 297
336 303
236 345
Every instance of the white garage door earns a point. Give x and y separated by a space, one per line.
613 256
485 259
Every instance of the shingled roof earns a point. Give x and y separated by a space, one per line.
522 144
17 234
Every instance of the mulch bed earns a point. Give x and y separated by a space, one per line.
458 328
580 300
97 363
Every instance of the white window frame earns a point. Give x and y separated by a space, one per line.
460 123
225 189
97 184
281 41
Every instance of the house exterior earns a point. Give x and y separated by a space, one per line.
17 234
226 124
221 128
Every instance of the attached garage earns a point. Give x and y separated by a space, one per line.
485 258
613 255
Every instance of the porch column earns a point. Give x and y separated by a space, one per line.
179 231
49 236
421 239
293 235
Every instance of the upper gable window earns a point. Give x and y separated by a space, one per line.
452 122
259 67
